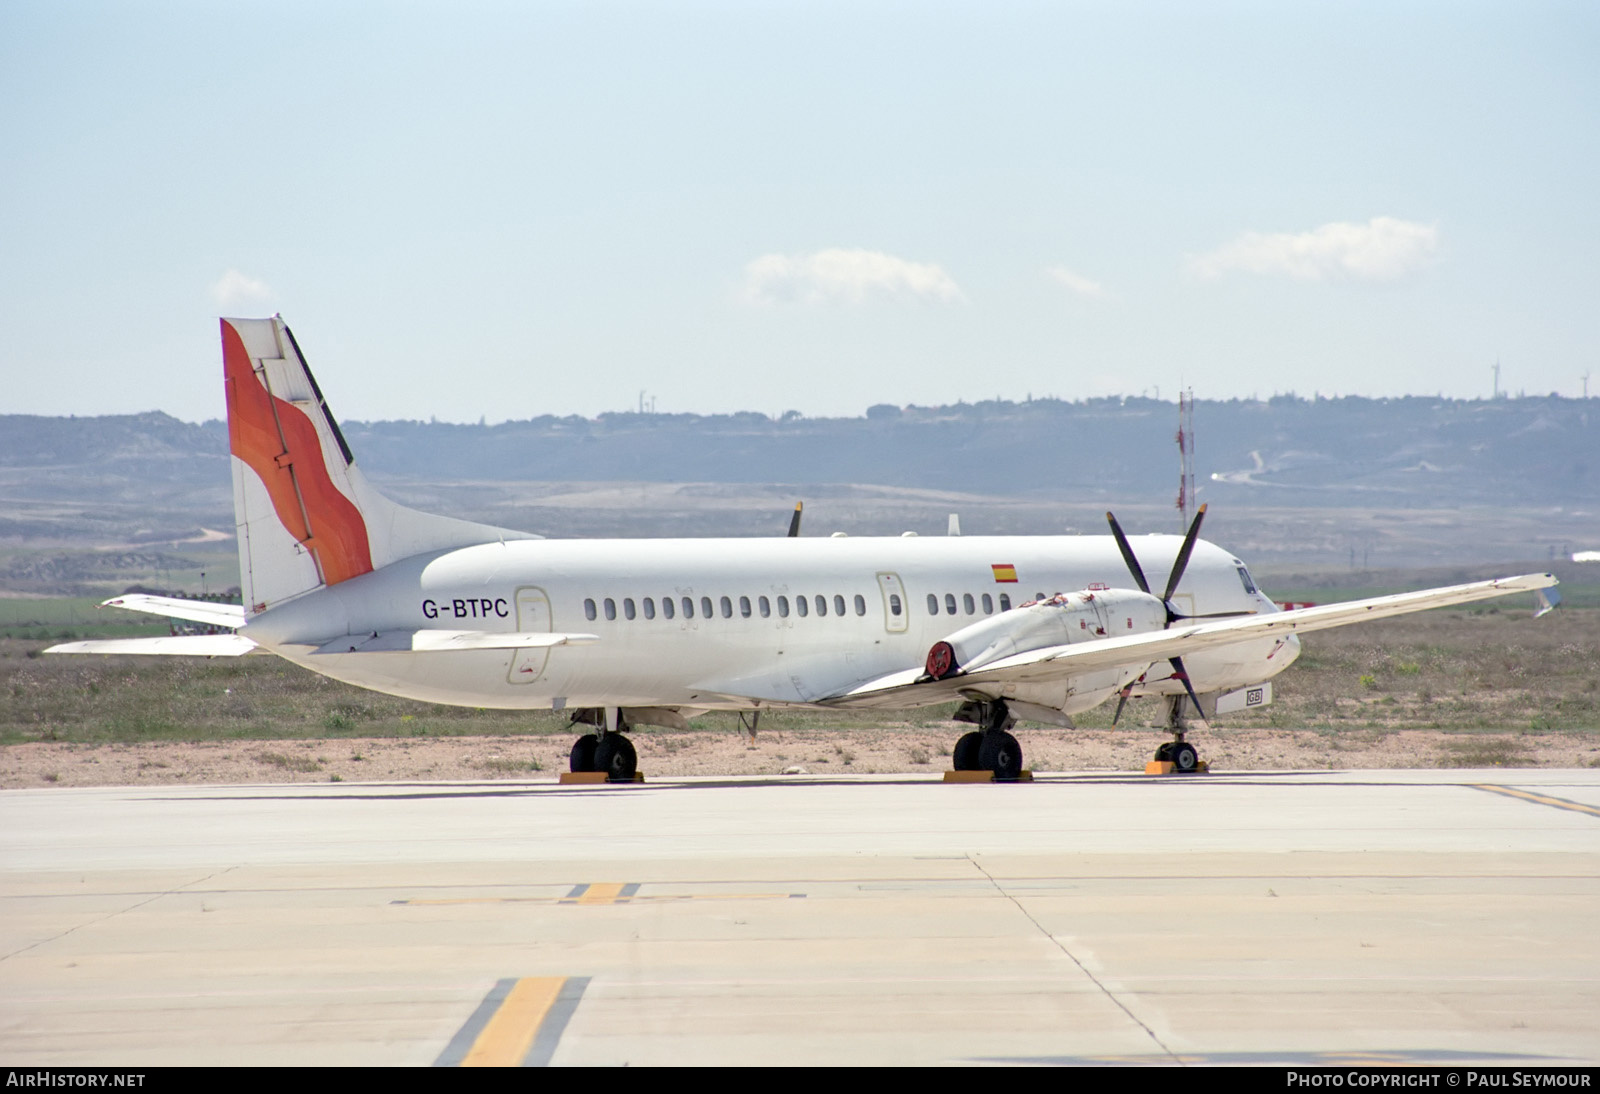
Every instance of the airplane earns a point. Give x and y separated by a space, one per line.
620 633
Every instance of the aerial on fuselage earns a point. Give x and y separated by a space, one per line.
620 633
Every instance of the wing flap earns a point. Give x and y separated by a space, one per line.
181 645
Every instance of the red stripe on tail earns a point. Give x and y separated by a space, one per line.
279 443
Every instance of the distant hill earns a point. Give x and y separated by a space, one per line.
1409 452
1346 482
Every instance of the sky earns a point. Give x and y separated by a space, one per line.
500 210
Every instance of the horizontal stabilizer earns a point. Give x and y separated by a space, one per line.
435 641
178 645
196 611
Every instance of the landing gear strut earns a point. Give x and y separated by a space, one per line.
991 747
606 749
1182 755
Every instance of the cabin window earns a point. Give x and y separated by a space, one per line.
950 603
966 602
894 603
822 604
705 607
688 607
933 603
727 608
783 607
627 607
838 604
988 604
1005 602
744 606
611 608
802 606
588 608
666 607
861 604
649 608
765 605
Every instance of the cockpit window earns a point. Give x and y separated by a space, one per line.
1244 578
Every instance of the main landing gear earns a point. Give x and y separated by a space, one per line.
991 747
1182 755
606 749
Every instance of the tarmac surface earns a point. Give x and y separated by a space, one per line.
1426 917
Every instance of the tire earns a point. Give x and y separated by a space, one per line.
614 754
582 757
1184 757
1001 754
1164 753
964 757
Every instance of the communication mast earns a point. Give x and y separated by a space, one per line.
1185 456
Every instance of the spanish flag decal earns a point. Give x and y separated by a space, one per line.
1004 571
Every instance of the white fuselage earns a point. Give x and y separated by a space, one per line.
735 631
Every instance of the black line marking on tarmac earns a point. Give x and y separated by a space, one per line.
462 1042
1539 799
555 1022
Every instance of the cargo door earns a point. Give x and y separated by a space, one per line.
533 616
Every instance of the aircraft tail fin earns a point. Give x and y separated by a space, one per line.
307 517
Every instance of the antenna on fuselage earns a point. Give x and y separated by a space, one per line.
1185 456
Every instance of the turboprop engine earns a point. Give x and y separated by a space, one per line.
1091 615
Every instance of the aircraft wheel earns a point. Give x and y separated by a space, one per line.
614 754
1001 754
582 758
965 755
1164 753
1184 757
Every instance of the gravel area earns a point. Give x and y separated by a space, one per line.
854 751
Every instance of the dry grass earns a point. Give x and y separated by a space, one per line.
1454 688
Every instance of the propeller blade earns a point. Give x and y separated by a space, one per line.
1127 554
1180 673
794 521
1122 701
1182 562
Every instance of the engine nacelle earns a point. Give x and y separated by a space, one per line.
1060 620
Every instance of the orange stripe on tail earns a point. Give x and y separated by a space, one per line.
279 442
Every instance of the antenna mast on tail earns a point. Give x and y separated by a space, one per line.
1185 457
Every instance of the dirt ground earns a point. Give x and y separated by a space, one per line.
816 752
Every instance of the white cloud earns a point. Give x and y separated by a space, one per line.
841 275
1077 283
234 288
1382 249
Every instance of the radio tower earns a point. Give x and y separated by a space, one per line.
1185 456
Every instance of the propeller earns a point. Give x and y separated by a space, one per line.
1179 564
794 521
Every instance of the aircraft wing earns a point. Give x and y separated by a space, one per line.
180 645
1059 662
196 611
441 641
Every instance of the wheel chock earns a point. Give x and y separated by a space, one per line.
595 778
1167 767
984 777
